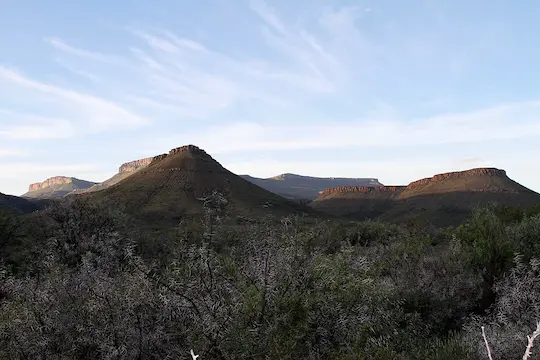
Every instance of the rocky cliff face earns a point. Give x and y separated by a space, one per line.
456 175
57 180
444 199
363 189
57 187
186 148
135 165
452 181
190 148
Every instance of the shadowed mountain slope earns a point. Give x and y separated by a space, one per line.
18 204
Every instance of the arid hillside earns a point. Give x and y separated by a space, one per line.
442 199
170 186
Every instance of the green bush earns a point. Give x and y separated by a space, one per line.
99 287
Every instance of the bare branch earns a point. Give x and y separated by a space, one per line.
487 344
531 339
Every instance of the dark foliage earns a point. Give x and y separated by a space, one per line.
91 285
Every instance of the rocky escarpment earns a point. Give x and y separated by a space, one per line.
182 149
307 187
457 175
57 187
375 190
345 181
442 199
489 180
57 180
474 180
135 165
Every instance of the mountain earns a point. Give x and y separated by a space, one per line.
17 204
306 187
442 199
169 186
57 187
291 186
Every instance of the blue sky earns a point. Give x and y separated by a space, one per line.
389 89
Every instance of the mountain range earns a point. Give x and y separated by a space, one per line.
443 199
170 186
291 186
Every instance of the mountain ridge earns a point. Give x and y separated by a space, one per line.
456 192
57 187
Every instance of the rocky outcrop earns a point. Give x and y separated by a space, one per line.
159 157
189 148
57 180
458 175
363 189
57 187
135 165
468 180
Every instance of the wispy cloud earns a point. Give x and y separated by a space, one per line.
505 122
9 152
92 113
61 45
285 78
38 130
175 72
78 71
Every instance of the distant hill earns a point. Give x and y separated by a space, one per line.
18 205
57 187
168 188
306 187
442 199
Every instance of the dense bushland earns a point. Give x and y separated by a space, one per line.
82 282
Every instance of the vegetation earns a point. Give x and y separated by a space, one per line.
81 281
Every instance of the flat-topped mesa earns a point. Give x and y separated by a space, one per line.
286 176
135 165
363 189
458 175
57 180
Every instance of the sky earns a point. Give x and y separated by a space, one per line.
394 90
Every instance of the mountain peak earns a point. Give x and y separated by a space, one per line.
169 187
188 148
